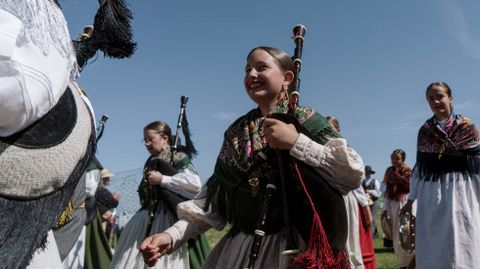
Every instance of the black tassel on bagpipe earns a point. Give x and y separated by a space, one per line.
189 148
182 123
112 33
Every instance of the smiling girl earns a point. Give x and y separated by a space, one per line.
446 185
230 197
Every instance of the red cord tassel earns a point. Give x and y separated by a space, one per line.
318 254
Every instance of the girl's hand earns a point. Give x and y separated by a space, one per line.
154 247
278 134
154 177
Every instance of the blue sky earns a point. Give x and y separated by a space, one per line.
365 62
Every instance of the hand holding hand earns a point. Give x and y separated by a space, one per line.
154 177
278 134
154 247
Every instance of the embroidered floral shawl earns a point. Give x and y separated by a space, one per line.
242 141
397 180
453 147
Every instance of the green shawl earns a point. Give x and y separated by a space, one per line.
180 161
234 201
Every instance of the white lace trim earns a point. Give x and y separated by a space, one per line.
45 26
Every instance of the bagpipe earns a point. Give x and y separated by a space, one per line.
101 126
309 203
90 202
155 193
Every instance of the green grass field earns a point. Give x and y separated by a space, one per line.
384 256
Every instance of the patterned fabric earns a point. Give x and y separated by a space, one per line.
44 182
397 181
228 191
453 147
180 161
180 158
243 139
459 133
43 25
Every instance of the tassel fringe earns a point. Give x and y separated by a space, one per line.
318 254
112 33
189 147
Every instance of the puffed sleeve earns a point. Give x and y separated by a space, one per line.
31 82
193 220
338 163
187 182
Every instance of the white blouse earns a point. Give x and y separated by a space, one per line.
31 80
335 161
187 182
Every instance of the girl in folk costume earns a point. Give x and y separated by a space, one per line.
182 182
359 245
397 178
235 196
445 184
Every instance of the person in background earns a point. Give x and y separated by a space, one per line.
397 179
372 189
185 182
445 184
110 226
105 200
359 242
